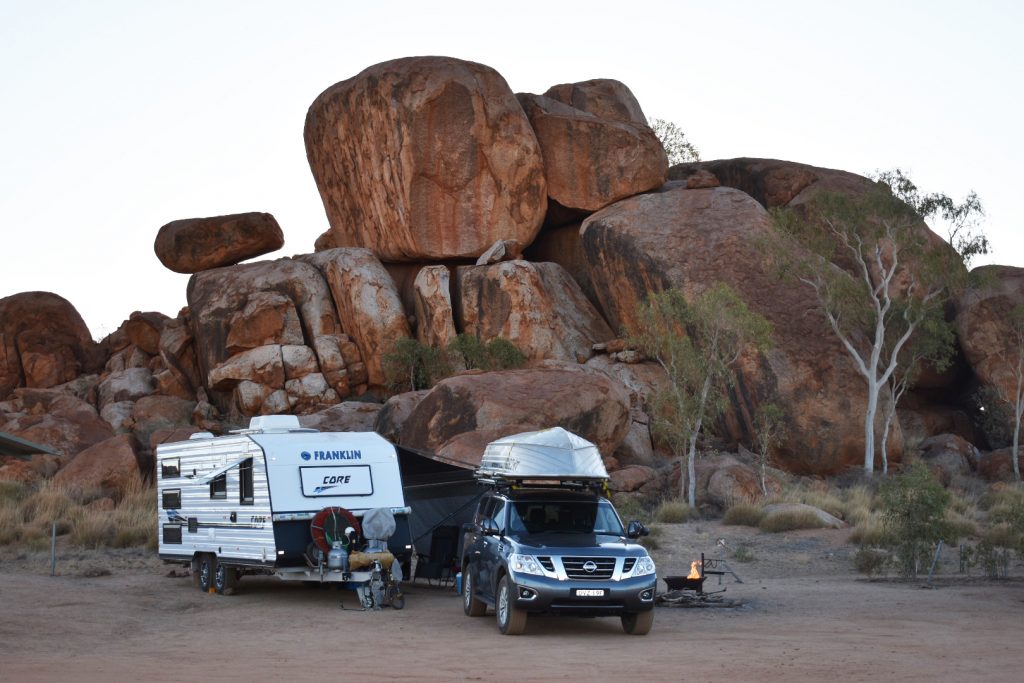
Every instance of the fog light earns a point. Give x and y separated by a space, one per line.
647 595
527 594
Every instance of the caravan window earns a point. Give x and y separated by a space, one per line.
171 468
219 486
245 482
171 499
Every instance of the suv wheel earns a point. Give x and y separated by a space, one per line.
511 619
470 605
638 623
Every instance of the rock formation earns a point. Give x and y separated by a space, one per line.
425 158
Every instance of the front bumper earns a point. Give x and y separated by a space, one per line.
545 594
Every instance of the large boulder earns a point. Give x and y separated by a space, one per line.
64 423
425 158
266 318
143 330
983 323
536 306
562 245
368 304
689 238
43 342
997 465
178 352
948 456
215 296
462 414
109 466
153 413
590 160
395 411
191 245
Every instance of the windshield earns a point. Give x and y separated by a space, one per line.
583 517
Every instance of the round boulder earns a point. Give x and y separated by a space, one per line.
425 158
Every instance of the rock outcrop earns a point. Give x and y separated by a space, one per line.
43 342
435 320
536 306
192 245
368 304
425 158
691 238
108 466
984 326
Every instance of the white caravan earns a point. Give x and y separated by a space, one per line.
244 503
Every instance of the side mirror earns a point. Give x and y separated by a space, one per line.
636 529
489 527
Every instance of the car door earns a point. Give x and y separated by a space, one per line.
475 553
492 555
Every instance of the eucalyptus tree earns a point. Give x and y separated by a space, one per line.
697 344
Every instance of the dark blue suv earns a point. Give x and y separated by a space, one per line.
555 550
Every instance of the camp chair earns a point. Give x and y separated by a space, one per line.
439 563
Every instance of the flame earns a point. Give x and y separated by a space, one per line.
694 572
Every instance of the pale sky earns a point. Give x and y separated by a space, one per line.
119 117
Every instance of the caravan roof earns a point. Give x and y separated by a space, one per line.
547 454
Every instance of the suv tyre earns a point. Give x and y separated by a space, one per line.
470 605
638 623
511 619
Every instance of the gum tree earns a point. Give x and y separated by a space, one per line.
877 275
678 149
697 344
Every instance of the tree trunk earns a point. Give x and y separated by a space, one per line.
869 427
1016 423
691 473
764 475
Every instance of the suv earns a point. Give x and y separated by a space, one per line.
532 550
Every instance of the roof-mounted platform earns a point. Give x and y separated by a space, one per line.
549 455
273 424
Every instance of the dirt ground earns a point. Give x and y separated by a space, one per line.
806 616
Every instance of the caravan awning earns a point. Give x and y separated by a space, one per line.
221 470
17 447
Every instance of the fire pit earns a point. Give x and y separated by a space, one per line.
694 581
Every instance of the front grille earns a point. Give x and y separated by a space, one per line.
605 567
627 565
546 563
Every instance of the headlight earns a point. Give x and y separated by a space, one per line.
643 567
525 564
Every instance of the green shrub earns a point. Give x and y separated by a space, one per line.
743 553
743 514
497 354
791 520
871 561
409 365
672 512
630 508
914 508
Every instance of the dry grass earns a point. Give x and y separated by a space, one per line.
743 514
672 512
27 515
791 520
870 532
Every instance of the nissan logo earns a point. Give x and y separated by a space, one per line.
589 566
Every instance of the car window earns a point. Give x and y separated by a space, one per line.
588 517
497 514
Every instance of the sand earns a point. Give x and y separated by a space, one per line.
806 616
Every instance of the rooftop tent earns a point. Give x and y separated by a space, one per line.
547 454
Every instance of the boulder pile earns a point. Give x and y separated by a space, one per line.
457 206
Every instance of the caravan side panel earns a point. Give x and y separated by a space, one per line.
229 516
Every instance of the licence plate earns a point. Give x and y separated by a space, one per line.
590 592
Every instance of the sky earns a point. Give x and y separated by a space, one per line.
118 117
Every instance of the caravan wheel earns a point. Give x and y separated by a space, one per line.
207 566
225 579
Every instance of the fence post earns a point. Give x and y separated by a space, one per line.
935 561
53 550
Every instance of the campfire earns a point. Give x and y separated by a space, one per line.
694 581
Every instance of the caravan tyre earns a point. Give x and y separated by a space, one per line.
225 579
207 566
470 605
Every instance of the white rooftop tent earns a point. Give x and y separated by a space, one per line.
553 453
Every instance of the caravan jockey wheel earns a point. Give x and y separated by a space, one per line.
329 526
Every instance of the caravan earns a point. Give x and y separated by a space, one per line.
279 499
